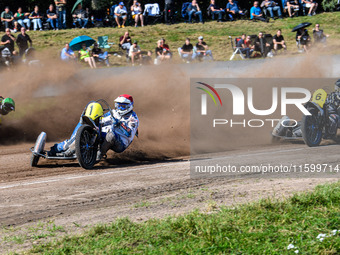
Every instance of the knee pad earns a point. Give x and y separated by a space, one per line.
333 124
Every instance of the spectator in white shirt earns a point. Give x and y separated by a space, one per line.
120 15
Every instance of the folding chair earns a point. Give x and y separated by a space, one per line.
184 12
152 13
236 50
103 42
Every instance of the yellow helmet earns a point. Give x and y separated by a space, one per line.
94 111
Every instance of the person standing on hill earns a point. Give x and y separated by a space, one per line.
61 12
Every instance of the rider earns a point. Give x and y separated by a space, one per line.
332 105
119 131
6 106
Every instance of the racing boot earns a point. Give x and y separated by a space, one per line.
279 128
53 151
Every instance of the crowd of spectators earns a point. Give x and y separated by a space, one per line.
121 15
55 15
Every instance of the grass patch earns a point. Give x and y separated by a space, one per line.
265 227
215 34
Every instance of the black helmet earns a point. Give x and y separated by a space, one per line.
337 85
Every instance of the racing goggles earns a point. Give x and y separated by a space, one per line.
121 106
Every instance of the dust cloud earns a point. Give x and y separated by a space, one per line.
51 98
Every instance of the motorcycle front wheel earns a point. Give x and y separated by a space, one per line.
311 128
86 146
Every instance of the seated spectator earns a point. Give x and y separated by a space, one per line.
36 17
202 51
22 19
8 40
272 6
241 44
120 15
67 54
318 35
137 13
248 43
233 10
186 51
256 13
261 45
85 55
135 52
125 42
52 17
279 41
166 48
311 4
7 19
22 41
79 16
100 55
215 10
303 38
194 9
161 54
292 7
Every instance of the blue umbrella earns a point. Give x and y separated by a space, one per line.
77 42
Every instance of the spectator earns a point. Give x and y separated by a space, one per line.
318 35
120 14
194 9
22 19
7 19
137 13
292 7
79 16
85 55
100 55
186 51
303 38
61 12
202 50
125 42
261 45
279 41
161 54
52 17
8 40
169 12
272 6
248 44
135 52
215 10
311 4
22 41
166 48
256 13
67 54
241 44
35 16
233 9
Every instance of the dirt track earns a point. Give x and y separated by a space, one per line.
68 195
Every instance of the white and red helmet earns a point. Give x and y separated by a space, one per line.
124 104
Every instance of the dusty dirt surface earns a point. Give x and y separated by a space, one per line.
39 204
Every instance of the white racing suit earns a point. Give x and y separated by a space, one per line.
117 134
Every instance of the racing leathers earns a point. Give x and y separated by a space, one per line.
117 134
333 111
